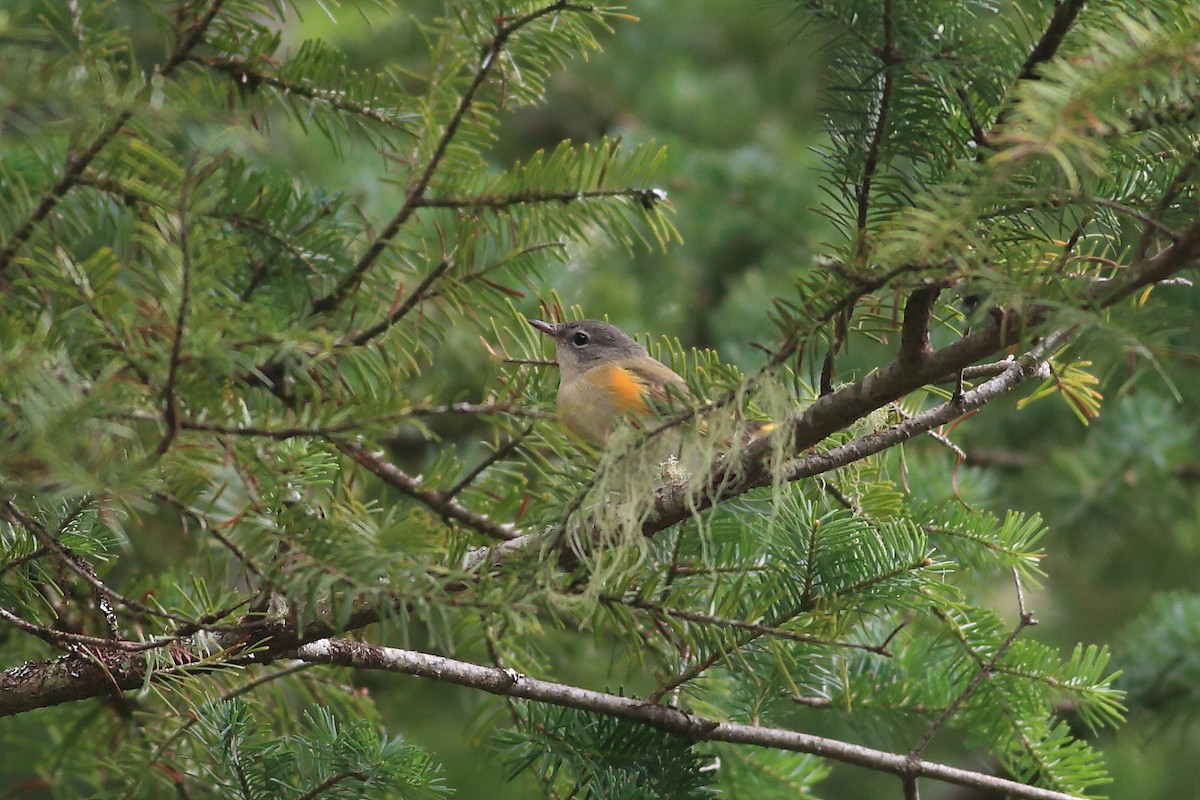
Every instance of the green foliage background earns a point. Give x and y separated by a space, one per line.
732 90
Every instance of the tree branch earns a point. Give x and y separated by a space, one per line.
757 628
105 596
1180 254
918 317
1065 12
415 296
76 164
872 443
491 56
828 414
862 192
244 74
105 667
1025 620
1061 22
647 197
170 401
440 502
508 683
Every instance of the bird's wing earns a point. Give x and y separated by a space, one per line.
657 387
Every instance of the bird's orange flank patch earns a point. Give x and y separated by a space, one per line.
629 393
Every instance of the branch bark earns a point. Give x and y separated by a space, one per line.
1065 12
102 669
508 683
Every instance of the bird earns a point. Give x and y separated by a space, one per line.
604 376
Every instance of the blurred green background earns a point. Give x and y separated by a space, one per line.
733 89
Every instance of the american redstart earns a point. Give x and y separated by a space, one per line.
605 375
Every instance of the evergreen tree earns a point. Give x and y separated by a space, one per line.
264 440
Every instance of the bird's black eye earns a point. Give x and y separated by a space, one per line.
579 339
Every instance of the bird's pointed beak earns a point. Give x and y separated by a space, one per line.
548 328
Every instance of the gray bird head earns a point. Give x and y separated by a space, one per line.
587 343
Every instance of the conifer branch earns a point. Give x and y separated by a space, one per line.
462 408
647 197
862 285
1152 223
237 691
978 134
414 297
71 642
106 666
984 672
14 514
245 75
862 191
508 683
829 414
1181 180
129 193
758 629
300 573
1063 19
115 337
502 452
331 781
872 443
446 506
79 161
416 192
170 401
1183 253
106 596
1175 113
687 675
